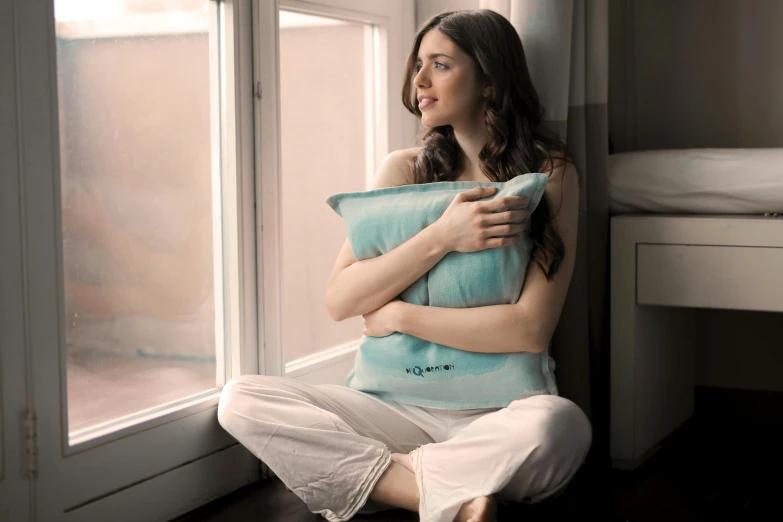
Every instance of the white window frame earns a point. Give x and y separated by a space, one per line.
31 307
394 129
230 99
15 494
60 486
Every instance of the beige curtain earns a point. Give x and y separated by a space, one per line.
567 50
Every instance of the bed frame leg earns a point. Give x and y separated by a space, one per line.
652 361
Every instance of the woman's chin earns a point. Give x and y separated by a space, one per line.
429 121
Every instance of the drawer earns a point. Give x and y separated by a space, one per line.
702 276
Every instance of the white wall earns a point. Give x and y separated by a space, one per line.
428 8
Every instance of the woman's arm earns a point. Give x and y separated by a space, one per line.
484 329
525 326
357 287
367 285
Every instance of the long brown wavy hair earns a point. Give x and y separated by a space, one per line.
519 142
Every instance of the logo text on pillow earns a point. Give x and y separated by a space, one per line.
419 372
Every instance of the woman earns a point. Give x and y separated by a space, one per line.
343 451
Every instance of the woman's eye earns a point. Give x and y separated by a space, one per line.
418 67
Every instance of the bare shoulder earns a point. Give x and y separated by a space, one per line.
559 163
406 156
563 185
411 152
562 170
395 169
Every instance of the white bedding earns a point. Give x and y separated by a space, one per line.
698 181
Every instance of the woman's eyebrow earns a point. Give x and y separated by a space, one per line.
434 55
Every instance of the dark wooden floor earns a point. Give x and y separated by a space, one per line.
713 469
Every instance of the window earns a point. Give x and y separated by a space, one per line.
141 210
327 86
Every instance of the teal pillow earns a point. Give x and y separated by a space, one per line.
415 371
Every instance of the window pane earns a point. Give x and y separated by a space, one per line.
325 73
136 184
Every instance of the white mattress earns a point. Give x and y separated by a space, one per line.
697 181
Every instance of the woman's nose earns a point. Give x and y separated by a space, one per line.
418 79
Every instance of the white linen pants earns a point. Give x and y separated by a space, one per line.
330 444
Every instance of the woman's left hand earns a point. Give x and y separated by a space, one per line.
381 322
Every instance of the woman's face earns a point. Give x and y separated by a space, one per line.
450 79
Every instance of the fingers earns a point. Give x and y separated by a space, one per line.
497 242
476 193
506 229
508 216
496 205
508 202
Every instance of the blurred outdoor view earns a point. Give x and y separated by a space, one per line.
136 184
136 161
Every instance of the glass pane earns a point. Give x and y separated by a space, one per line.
326 87
137 220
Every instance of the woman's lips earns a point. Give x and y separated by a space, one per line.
426 102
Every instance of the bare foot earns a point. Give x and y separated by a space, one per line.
480 509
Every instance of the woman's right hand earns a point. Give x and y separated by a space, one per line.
469 225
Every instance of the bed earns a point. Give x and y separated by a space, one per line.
689 228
